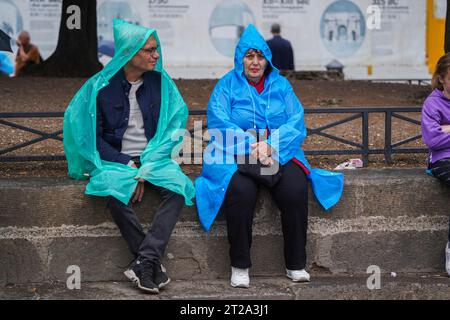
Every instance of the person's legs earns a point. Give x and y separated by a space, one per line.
291 197
128 223
447 253
147 271
441 170
239 207
155 242
131 230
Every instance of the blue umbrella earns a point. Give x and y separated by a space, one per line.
106 47
6 66
5 42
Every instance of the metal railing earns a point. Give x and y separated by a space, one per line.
359 148
419 81
363 148
4 120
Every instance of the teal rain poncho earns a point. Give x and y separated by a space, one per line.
158 167
236 106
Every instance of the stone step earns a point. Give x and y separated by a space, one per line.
396 219
195 256
393 193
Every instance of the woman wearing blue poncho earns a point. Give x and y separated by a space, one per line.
253 98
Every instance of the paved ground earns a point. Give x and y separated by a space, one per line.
343 287
54 94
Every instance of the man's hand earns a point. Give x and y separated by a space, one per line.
446 128
263 152
139 192
23 56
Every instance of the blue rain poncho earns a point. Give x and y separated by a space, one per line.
158 166
6 66
237 106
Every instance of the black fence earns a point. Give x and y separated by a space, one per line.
418 81
363 148
5 120
359 148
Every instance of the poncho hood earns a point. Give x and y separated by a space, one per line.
252 39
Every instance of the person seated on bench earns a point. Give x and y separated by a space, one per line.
28 53
121 129
256 124
436 129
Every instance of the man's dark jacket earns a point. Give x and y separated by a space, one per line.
282 53
113 112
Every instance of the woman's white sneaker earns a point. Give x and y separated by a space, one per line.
239 278
447 258
298 275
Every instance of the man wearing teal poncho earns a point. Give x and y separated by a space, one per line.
122 130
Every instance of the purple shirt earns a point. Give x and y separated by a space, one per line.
435 113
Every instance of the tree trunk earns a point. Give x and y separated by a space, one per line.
447 29
76 54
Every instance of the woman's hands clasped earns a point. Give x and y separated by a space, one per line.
263 152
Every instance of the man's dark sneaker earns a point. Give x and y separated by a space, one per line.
160 277
142 273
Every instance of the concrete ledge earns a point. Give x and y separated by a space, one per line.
394 218
50 202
